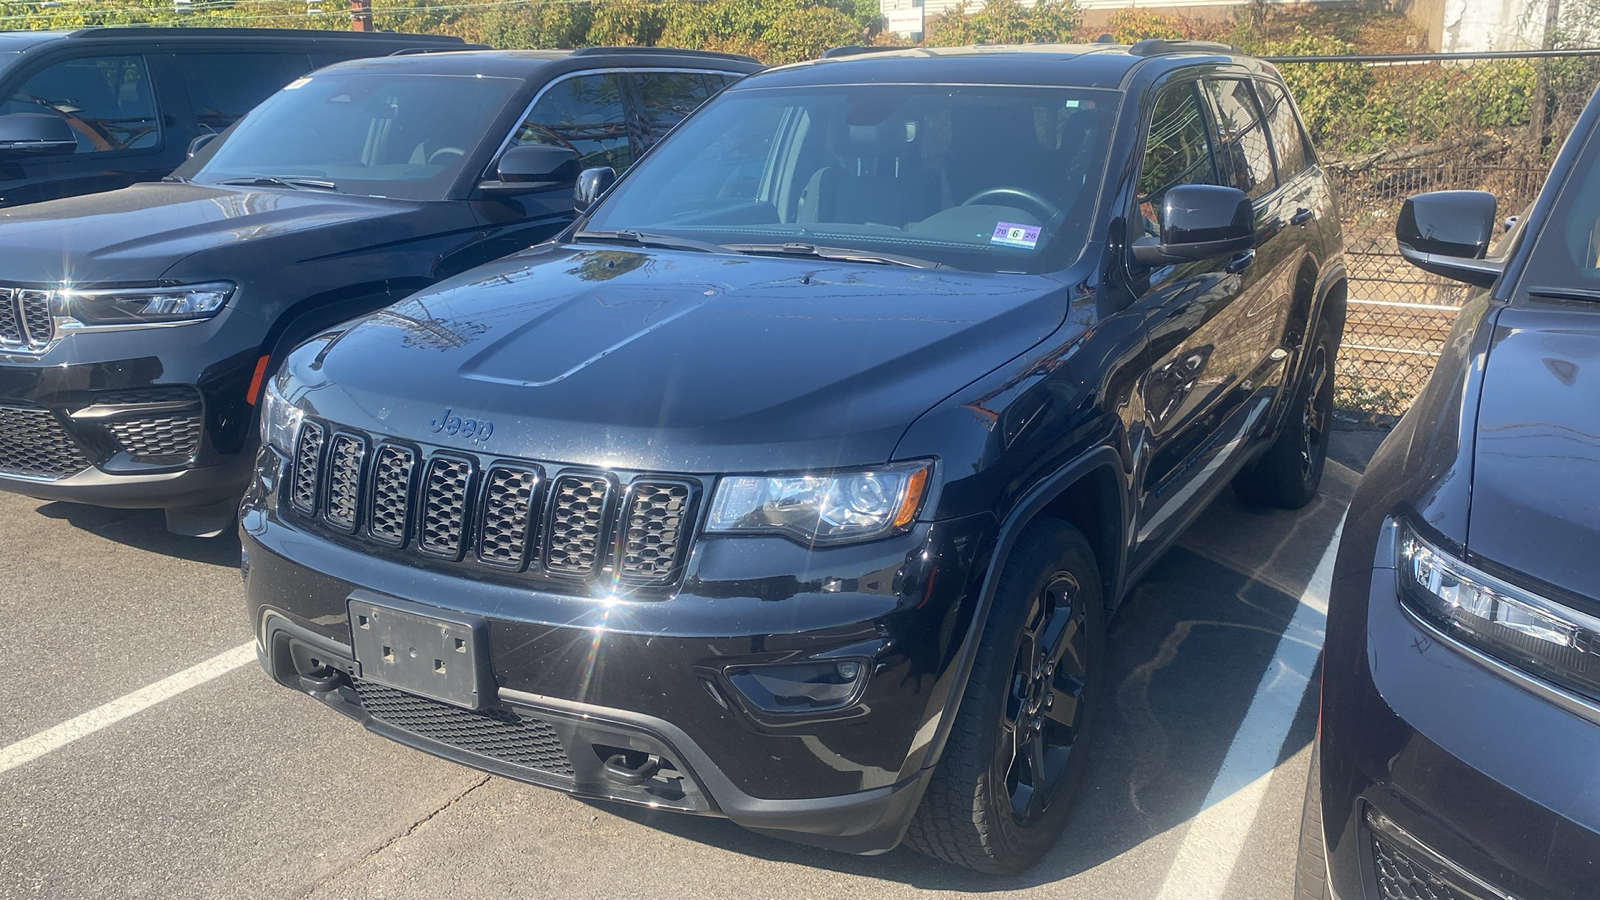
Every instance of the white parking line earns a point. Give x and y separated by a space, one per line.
1216 836
31 748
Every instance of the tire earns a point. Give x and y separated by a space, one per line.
1311 865
1288 474
981 809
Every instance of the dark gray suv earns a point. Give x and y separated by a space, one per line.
136 326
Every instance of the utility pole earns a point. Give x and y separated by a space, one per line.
1541 84
361 15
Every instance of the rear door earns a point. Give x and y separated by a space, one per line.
119 110
222 87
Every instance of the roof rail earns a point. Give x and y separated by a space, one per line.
417 51
671 51
857 50
143 31
1157 47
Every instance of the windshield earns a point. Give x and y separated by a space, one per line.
381 134
985 178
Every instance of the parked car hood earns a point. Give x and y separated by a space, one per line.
673 360
139 233
1534 506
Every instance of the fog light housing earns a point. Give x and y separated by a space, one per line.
801 687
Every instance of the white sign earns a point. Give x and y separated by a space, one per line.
905 22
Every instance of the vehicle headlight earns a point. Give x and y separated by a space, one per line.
280 420
1521 628
142 306
831 508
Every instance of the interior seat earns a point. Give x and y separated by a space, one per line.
879 178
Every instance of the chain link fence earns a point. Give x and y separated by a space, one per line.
1412 124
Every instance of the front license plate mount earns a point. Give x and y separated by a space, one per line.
423 650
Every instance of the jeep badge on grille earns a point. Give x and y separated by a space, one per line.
475 430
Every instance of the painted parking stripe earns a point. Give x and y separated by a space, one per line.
1216 836
31 748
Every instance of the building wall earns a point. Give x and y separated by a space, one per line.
1469 26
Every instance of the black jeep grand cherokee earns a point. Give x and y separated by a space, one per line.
796 481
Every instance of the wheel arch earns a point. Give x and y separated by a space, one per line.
1091 493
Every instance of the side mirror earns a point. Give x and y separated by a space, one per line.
534 166
1448 233
1199 221
591 184
199 143
36 134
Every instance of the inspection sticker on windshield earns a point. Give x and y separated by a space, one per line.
1014 235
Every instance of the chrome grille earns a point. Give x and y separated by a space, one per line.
345 457
502 514
444 506
10 320
37 323
158 436
653 531
391 495
577 517
33 444
507 516
307 461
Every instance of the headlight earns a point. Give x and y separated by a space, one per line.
280 420
142 306
834 508
1555 642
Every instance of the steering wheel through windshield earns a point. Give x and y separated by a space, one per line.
433 158
1048 212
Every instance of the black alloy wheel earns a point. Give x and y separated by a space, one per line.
1018 748
1044 708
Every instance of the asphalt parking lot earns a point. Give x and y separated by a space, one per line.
119 780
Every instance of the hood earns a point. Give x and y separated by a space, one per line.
140 232
1535 508
676 361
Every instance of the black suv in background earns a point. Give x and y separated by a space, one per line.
795 483
103 108
1460 722
136 326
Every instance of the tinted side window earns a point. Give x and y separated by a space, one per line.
107 101
223 87
586 114
1288 141
1177 151
1242 151
666 97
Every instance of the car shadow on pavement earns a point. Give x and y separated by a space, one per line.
1186 652
146 529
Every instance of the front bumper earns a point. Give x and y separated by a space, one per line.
154 418
595 677
1439 767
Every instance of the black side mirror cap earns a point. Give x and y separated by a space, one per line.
591 184
1448 233
36 134
534 166
199 143
1199 221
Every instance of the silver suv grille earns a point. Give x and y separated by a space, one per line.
25 320
446 507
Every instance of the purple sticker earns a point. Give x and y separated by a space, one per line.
1013 235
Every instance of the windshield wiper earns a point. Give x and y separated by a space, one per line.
274 181
844 254
1590 295
645 239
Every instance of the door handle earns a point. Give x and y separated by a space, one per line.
1302 216
1241 262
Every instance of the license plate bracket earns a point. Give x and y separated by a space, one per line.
424 650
